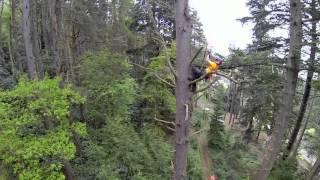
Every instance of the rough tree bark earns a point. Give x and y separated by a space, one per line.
16 62
27 34
314 170
68 170
182 91
300 136
51 12
249 131
281 121
307 88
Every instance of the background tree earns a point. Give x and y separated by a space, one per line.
290 87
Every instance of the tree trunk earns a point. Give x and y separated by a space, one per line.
249 131
307 88
50 35
1 14
10 42
64 66
27 34
297 143
68 170
281 121
259 131
14 37
314 170
182 91
13 69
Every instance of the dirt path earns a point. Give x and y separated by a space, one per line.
234 127
202 141
206 161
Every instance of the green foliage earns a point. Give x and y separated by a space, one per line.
231 157
118 152
313 139
316 84
113 149
107 85
217 138
160 151
218 100
261 86
157 97
5 16
29 144
285 170
216 133
5 173
194 169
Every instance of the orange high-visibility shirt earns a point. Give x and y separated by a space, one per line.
212 67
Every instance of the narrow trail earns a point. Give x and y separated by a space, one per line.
204 154
202 141
232 126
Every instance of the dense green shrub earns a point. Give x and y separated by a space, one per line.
36 130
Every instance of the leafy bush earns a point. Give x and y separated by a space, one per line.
36 130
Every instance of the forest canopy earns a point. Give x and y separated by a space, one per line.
129 90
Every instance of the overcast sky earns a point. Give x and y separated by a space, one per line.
219 23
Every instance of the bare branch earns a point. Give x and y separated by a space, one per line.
232 66
200 131
207 87
171 129
140 66
168 60
196 55
197 98
204 56
227 77
164 81
163 121
199 79
161 40
155 74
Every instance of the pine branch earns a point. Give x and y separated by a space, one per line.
284 66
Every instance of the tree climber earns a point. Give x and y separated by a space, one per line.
213 64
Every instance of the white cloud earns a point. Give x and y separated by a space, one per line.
220 25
